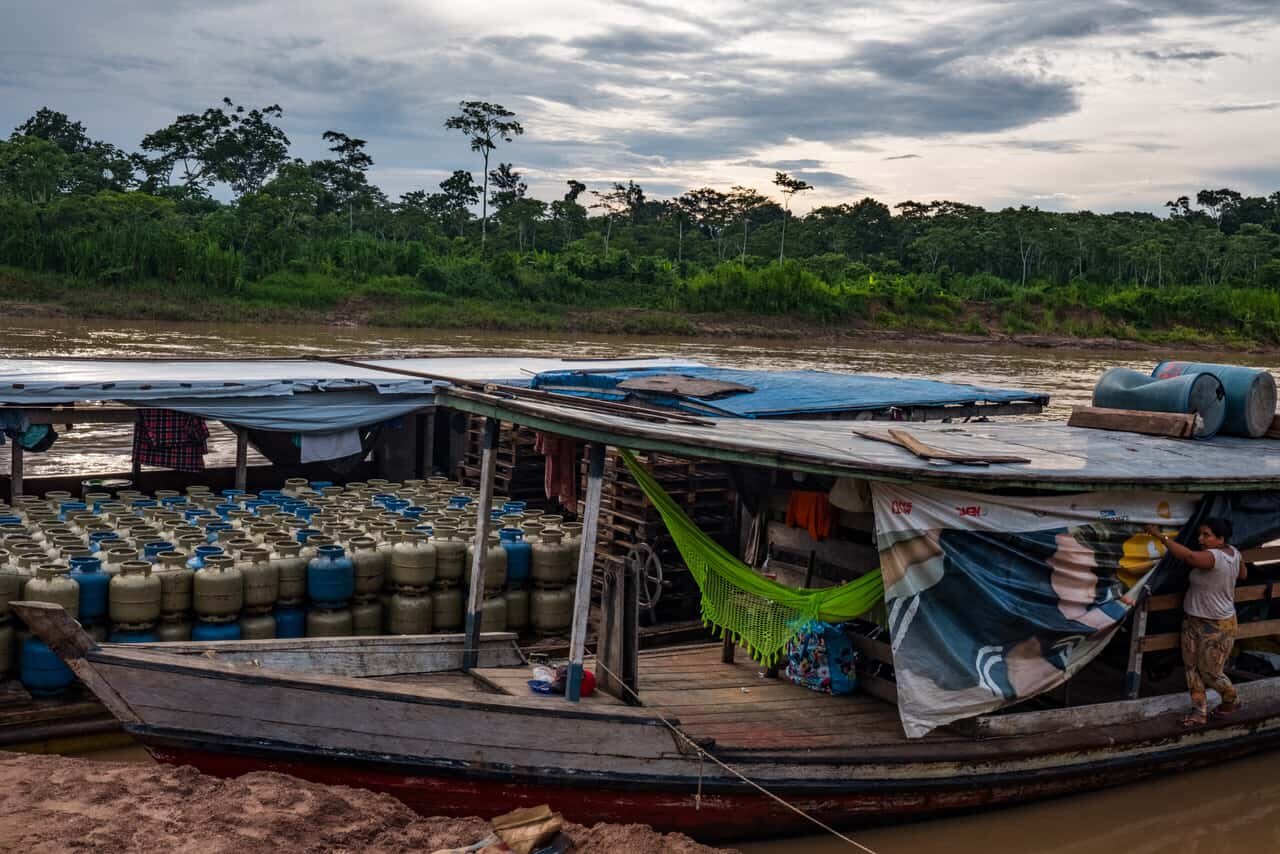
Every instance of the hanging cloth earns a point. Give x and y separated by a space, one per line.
169 439
318 447
560 476
811 511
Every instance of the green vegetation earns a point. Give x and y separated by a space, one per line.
88 230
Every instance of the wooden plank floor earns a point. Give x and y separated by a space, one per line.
735 704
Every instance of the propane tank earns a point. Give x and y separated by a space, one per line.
175 583
261 579
366 617
451 553
368 565
173 627
218 588
329 623
411 612
493 614
414 560
517 609
495 564
552 558
447 607
53 585
135 595
257 625
291 568
550 610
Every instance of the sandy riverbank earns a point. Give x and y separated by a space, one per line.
55 804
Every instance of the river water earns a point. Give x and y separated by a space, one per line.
1223 810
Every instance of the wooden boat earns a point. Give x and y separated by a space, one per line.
399 715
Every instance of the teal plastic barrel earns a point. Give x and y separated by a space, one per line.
1251 394
1199 393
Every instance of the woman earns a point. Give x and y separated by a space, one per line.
1209 628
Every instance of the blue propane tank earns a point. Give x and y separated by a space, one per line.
1251 394
41 671
1198 393
519 555
205 631
134 636
291 621
94 584
196 561
330 577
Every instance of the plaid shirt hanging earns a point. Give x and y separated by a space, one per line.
172 440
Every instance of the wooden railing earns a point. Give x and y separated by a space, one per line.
1140 642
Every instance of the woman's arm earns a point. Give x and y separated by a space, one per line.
1198 560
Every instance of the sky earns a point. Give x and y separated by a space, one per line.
1063 104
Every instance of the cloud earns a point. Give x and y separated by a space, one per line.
1181 55
780 165
1243 108
903 157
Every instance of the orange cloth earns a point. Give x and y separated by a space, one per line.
811 511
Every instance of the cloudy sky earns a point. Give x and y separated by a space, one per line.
1065 104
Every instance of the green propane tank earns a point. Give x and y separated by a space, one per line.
291 568
451 554
550 610
261 579
493 614
173 627
175 583
135 594
369 566
11 584
447 607
257 625
53 585
411 612
517 609
218 588
366 617
495 565
323 623
413 560
553 559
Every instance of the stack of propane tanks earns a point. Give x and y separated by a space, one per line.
308 560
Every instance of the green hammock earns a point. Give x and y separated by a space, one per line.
758 613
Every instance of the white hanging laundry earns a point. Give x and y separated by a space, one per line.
317 447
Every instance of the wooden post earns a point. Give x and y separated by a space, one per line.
586 563
728 649
15 473
242 458
1133 677
619 645
135 470
428 438
475 598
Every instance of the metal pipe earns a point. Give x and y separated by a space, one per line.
475 597
586 563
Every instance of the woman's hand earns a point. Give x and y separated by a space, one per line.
1154 531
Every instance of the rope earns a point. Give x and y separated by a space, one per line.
704 755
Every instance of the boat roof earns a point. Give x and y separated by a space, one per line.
1059 457
49 381
770 394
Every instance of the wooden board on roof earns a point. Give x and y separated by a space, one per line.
1060 457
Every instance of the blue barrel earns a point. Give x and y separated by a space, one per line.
41 671
134 636
1198 393
94 584
203 631
519 554
1251 394
291 621
330 577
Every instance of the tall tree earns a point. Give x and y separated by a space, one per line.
570 215
484 124
612 202
460 192
789 187
239 147
712 211
345 176
744 201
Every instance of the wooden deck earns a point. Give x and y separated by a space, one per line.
737 705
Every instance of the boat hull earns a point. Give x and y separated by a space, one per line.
713 812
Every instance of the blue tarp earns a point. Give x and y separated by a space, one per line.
781 393
314 412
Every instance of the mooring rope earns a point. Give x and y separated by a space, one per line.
704 755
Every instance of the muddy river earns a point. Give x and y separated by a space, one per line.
1230 808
